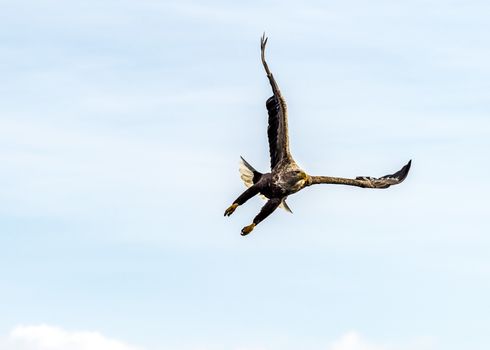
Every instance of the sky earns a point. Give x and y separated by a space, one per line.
121 127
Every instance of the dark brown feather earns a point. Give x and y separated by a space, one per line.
277 130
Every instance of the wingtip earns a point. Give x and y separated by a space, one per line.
409 164
404 171
263 40
286 207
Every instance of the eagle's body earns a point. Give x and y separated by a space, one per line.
280 183
286 177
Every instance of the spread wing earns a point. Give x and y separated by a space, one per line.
366 181
277 130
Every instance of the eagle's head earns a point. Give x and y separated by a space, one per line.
298 179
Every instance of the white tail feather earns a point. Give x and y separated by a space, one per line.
246 174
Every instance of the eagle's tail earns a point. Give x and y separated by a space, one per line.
248 174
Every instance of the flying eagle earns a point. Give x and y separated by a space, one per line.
286 177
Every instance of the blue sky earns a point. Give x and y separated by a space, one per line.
121 127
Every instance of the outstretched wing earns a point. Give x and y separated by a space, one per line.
366 181
277 130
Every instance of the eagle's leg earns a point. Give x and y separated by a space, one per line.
245 196
266 210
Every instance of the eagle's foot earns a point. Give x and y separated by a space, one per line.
231 209
247 229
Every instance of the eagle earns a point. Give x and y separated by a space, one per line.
286 177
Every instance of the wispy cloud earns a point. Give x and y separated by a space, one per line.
45 337
353 340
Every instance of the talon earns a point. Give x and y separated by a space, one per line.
231 209
247 229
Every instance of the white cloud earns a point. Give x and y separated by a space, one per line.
353 341
44 337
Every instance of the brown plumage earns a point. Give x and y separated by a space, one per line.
286 177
